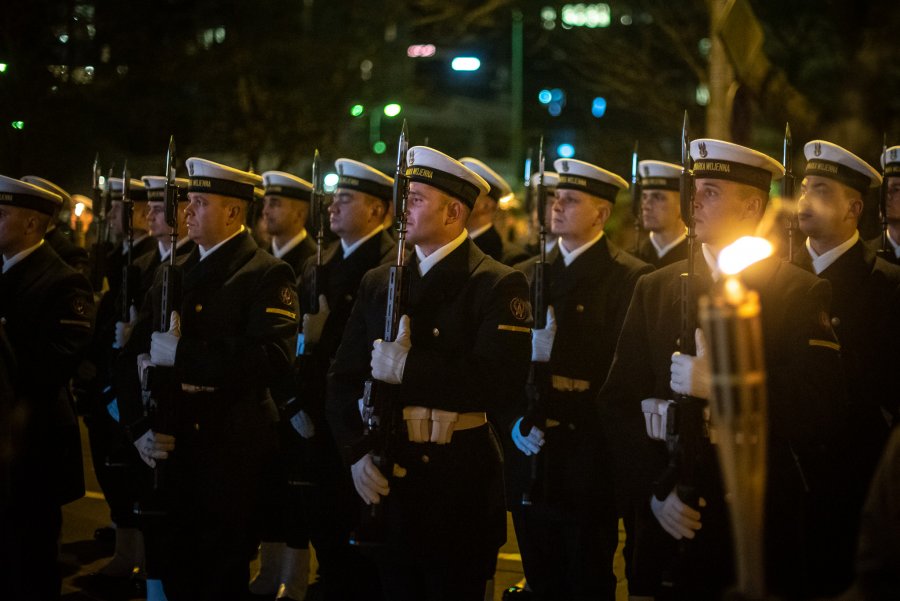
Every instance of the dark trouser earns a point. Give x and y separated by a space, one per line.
566 555
344 571
117 465
29 539
213 531
405 577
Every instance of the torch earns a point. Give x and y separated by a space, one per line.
730 317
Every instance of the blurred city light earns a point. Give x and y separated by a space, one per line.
379 147
465 63
18 124
544 97
356 110
421 50
330 181
392 110
586 15
565 151
598 107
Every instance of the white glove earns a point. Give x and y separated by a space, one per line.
164 344
389 358
542 340
370 484
692 375
124 329
303 424
655 412
676 517
531 444
313 323
152 446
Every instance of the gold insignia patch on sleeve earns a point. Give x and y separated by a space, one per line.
287 296
508 328
277 311
519 308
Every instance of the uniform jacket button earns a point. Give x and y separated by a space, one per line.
579 308
425 458
435 332
198 307
197 427
348 298
835 321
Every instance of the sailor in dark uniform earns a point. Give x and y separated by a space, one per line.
461 352
46 312
160 231
328 504
865 312
804 387
285 212
113 457
666 242
481 226
568 534
232 335
67 250
890 163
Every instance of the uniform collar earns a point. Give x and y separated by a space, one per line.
279 252
569 256
426 263
349 248
18 257
662 250
207 252
822 262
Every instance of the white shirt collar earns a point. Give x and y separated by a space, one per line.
349 248
8 262
822 262
896 245
164 250
475 233
549 244
662 250
206 252
426 263
280 252
712 262
134 242
570 256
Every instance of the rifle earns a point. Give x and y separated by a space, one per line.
886 251
100 247
379 419
318 218
685 417
160 385
537 384
131 274
787 187
636 199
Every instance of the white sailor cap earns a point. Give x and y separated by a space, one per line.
137 191
830 160
16 193
498 185
834 162
156 187
551 180
717 159
49 186
279 183
659 175
890 162
433 167
596 181
214 178
354 175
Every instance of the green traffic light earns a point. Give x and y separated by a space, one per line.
18 124
357 109
379 147
392 110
